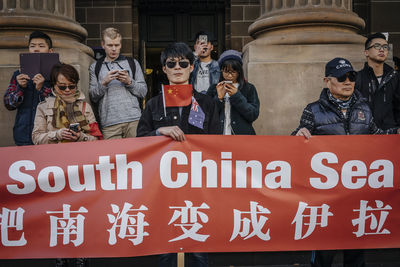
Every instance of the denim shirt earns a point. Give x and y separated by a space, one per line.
213 69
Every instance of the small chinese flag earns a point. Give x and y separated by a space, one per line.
178 95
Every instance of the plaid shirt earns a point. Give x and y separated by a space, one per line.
14 95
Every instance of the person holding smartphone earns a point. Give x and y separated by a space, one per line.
206 70
236 98
65 117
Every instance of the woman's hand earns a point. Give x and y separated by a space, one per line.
69 135
221 91
230 89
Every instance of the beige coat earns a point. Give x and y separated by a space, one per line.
43 130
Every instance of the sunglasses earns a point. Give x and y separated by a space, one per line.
350 75
64 87
182 64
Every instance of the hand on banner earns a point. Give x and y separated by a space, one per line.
38 80
173 131
111 75
398 131
304 132
22 80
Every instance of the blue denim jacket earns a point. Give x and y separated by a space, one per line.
214 72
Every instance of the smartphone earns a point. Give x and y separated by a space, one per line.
203 39
227 81
75 127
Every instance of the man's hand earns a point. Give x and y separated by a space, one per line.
38 80
230 89
304 132
199 48
111 75
123 77
172 131
398 131
22 80
221 91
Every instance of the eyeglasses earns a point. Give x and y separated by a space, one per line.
231 72
182 64
64 87
385 47
351 75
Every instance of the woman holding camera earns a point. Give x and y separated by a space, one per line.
236 98
65 117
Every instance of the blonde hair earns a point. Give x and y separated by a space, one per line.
111 33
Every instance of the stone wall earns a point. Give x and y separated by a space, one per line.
242 14
96 15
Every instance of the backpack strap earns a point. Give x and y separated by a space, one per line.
132 64
83 108
98 67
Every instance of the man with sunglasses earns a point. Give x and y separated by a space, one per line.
24 93
379 83
116 84
339 111
177 61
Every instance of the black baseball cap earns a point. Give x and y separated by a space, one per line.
338 67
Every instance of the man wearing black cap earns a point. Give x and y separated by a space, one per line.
379 83
24 92
339 111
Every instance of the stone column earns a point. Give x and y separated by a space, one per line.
18 18
293 41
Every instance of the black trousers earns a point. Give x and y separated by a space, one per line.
351 258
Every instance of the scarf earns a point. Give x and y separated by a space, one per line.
66 111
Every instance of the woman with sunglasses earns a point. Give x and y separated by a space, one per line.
65 117
236 98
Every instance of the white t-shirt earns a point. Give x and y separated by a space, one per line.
203 78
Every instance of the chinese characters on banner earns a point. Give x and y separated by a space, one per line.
208 194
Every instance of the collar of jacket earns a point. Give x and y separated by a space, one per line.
119 58
386 70
357 96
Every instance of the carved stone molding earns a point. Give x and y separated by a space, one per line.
307 22
18 18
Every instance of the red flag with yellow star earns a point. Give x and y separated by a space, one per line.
178 95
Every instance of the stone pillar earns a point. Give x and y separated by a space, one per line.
293 41
18 18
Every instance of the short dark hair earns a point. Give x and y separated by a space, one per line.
377 35
68 71
203 33
236 66
177 50
41 35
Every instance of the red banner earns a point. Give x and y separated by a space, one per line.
152 195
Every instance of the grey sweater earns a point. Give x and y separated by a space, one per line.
117 102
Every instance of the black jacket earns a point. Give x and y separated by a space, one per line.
324 117
245 108
383 98
153 117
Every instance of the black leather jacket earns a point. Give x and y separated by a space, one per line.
153 117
